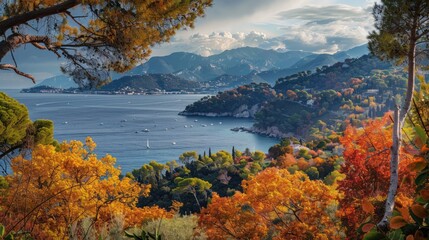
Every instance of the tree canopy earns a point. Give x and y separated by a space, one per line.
95 36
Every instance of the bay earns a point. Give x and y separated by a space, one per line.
118 124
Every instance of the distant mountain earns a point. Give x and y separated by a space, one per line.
151 82
60 81
257 58
230 68
228 81
235 62
358 51
169 64
241 64
307 63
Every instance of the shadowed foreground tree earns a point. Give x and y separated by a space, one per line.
95 36
17 132
402 31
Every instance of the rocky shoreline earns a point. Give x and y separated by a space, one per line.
273 132
242 112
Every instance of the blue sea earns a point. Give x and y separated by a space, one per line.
123 125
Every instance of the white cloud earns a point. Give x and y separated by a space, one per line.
216 42
292 25
325 28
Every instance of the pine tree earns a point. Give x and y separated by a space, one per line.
402 32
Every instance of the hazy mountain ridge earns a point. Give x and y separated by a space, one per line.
230 68
60 81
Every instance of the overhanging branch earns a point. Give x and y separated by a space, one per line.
15 69
37 14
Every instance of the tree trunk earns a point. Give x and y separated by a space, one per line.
394 162
194 192
399 118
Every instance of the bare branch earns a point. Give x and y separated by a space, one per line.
11 67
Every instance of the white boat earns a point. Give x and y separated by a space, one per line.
147 144
145 130
174 143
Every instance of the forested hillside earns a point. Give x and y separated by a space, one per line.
305 103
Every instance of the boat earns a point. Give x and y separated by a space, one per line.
147 144
174 143
145 130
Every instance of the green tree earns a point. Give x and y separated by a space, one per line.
18 132
188 157
258 156
157 168
171 165
312 173
402 29
222 159
95 36
193 186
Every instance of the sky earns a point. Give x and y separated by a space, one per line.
322 26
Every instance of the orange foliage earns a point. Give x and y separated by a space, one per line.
303 164
286 160
367 170
59 188
275 203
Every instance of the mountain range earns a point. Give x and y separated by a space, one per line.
231 68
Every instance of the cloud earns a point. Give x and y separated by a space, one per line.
324 13
287 25
325 28
217 42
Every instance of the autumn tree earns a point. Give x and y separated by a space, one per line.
94 36
275 204
367 175
59 188
17 132
402 31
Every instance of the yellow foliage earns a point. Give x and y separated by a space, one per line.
59 188
288 206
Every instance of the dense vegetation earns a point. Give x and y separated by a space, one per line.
311 105
151 82
231 101
221 190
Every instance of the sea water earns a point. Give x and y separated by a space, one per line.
123 125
